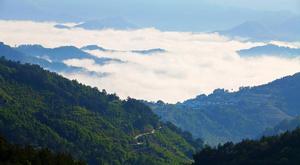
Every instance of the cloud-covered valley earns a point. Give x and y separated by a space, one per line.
193 64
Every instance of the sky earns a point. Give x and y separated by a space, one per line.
274 5
271 5
179 15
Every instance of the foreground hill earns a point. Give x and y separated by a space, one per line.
225 116
14 154
276 150
43 109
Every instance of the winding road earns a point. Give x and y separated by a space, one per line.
145 134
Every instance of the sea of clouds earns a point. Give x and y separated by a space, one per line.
193 64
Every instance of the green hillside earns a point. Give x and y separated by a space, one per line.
232 116
43 109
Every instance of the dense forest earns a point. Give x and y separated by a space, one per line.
233 116
43 109
16 155
276 150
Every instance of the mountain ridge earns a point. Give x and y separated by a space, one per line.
232 116
270 50
284 30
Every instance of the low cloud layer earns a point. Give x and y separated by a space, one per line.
195 63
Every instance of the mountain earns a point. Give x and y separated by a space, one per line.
15 55
279 150
94 47
143 52
149 51
43 109
51 58
14 154
270 50
59 54
117 23
252 30
60 26
285 125
11 53
232 116
285 30
39 59
289 29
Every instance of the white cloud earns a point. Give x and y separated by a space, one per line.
194 63
287 44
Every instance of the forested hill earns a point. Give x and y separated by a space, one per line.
276 150
232 116
43 109
13 154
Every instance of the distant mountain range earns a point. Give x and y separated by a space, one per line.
149 51
143 52
53 58
50 58
225 116
94 47
15 55
250 30
116 23
286 30
270 50
283 126
55 54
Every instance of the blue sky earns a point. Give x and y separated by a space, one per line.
182 15
274 5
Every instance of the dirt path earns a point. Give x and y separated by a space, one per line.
145 134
